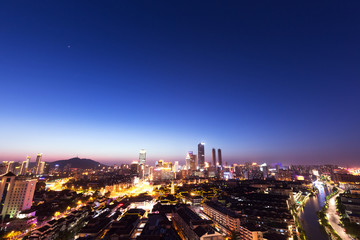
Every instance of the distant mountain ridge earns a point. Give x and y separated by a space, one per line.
76 162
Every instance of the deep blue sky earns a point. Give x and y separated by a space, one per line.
274 81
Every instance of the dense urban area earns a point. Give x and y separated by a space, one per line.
84 199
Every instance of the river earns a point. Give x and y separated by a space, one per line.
308 215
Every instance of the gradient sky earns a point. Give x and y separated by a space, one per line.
266 81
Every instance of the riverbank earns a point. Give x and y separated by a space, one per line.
335 219
352 229
323 218
307 215
295 213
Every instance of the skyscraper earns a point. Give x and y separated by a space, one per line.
25 166
42 167
214 157
38 164
10 167
220 157
142 156
142 160
134 167
201 155
176 166
193 162
187 159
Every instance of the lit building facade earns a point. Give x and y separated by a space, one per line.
38 164
227 220
214 157
201 155
193 162
188 159
16 194
220 158
142 157
25 166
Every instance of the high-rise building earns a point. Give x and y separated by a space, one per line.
142 160
25 166
193 162
142 156
42 167
16 194
220 157
201 155
146 171
176 166
214 157
187 159
38 164
10 167
134 167
46 168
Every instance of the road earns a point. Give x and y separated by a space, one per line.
334 218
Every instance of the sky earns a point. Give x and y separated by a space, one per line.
265 81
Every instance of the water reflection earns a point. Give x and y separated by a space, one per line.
308 216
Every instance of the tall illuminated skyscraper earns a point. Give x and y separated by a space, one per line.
42 167
214 157
193 163
142 156
201 155
25 166
38 164
220 158
187 159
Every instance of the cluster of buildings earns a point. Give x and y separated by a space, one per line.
24 168
197 200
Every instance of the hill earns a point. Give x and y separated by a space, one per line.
76 162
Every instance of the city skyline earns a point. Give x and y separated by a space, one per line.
182 161
263 82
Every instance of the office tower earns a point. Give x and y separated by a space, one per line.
176 166
46 168
142 160
134 167
16 194
38 164
220 157
187 159
193 162
146 171
42 167
25 166
10 167
142 156
201 155
214 157
141 171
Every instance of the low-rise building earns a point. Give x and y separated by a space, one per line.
191 226
228 221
